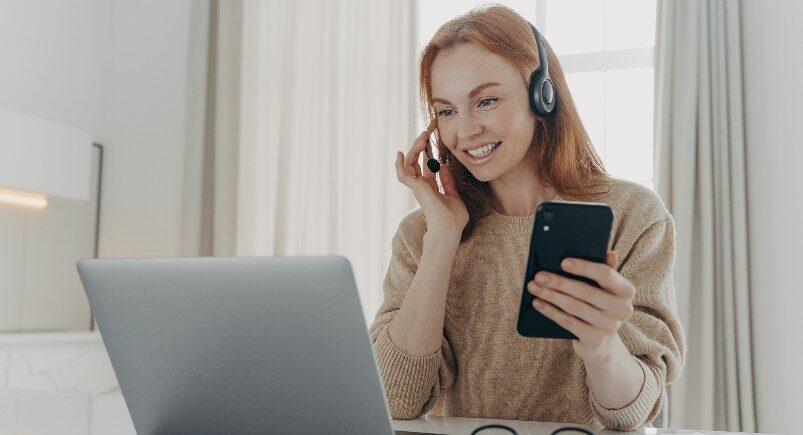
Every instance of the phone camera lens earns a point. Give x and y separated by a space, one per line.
548 215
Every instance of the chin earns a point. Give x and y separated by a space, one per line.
489 171
485 175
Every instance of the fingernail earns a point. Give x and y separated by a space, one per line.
541 279
538 303
568 263
537 290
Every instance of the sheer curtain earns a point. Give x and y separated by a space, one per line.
700 173
308 101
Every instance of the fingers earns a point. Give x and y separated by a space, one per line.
612 259
407 176
604 275
403 174
572 324
413 154
578 289
576 307
409 168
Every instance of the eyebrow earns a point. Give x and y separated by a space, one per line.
471 94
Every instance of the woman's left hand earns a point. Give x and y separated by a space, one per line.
594 315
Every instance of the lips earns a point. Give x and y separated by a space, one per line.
484 159
485 149
466 150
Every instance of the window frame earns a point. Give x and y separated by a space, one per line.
600 61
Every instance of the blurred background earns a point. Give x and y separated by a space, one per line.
204 127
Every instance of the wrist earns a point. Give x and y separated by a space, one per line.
442 239
603 357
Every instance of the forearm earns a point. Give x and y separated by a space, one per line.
417 329
615 378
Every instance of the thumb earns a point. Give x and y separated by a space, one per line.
611 259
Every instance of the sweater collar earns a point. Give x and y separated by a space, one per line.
512 225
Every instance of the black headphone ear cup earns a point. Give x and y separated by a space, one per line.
548 94
536 100
542 95
531 94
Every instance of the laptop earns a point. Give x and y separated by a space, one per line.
238 344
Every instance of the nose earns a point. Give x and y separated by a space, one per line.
467 127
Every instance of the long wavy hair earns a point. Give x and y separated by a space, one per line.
565 158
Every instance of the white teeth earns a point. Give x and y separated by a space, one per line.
482 152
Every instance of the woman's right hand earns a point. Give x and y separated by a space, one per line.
445 213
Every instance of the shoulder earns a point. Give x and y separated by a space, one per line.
414 221
411 230
630 199
635 207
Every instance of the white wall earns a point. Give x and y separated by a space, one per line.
145 129
52 59
773 66
130 74
51 66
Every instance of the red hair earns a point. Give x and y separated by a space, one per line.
565 157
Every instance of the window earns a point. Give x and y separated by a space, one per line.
606 50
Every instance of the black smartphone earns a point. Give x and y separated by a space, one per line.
562 229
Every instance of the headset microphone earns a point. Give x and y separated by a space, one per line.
432 163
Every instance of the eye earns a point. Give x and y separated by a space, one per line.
488 99
444 110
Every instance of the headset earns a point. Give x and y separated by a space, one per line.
543 100
542 92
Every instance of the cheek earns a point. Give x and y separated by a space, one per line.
515 125
506 122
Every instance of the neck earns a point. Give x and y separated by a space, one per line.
519 192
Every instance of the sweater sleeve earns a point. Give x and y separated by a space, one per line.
653 334
412 383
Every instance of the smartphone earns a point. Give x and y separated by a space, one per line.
562 229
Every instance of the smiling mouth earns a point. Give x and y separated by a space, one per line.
486 152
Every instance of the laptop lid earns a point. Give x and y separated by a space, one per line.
238 344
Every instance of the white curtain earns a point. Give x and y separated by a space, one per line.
309 101
700 173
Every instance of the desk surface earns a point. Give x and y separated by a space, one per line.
45 412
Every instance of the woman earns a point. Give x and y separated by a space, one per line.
446 331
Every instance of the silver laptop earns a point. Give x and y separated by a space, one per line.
238 344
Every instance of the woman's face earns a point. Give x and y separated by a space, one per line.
472 114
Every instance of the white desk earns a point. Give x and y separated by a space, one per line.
39 412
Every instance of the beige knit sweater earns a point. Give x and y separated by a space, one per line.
485 368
